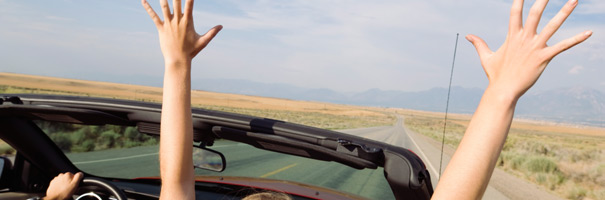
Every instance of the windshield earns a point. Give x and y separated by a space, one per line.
123 152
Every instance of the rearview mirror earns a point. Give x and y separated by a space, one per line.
208 159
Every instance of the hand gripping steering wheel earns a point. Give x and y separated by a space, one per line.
100 186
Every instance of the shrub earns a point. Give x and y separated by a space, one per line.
516 162
85 146
62 141
550 180
509 143
129 143
132 134
540 164
79 136
598 194
576 193
598 174
541 178
151 141
107 140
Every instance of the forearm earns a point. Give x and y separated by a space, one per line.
511 71
176 131
471 167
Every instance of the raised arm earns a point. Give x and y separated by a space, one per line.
179 43
511 71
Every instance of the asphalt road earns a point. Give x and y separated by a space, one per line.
502 185
400 136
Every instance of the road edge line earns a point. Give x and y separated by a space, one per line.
418 147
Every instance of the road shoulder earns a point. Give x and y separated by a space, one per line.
511 186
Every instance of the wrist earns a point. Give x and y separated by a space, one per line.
500 96
503 92
177 62
177 66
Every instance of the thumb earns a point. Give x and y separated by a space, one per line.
203 40
77 178
480 45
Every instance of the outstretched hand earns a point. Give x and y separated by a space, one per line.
520 61
178 40
511 71
63 186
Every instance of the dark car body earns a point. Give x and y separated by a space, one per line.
38 158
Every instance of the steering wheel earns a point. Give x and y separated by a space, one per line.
102 187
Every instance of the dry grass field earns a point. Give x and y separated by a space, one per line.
567 160
323 115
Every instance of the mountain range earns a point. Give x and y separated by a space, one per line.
578 105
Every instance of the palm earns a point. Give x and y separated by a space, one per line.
520 61
178 39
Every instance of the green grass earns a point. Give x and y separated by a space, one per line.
85 138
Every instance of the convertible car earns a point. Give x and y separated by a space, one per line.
115 144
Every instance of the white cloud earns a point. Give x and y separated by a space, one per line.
338 44
365 43
576 70
592 7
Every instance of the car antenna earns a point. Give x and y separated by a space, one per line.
447 103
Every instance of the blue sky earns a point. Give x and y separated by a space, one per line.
344 45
